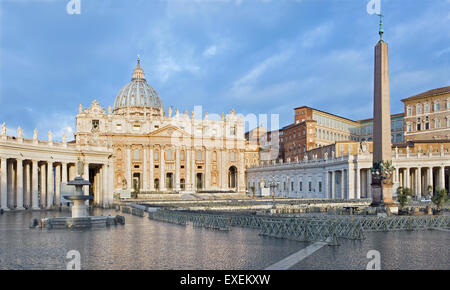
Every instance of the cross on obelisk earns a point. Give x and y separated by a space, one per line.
382 146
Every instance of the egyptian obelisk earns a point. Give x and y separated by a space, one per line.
382 146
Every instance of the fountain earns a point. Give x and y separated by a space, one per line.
79 218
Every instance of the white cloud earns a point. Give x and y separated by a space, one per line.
210 51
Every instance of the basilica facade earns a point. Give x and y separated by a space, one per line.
134 146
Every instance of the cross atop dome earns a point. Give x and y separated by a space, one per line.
138 73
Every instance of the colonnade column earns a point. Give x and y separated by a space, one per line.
86 177
145 173
4 185
430 177
343 184
34 185
325 185
396 177
43 184
11 177
442 177
50 184
177 169
193 177
369 183
419 182
333 184
358 183
104 194
64 178
128 167
152 178
19 184
163 173
58 185
27 185
408 178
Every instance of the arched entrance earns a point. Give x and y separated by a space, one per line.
199 181
232 177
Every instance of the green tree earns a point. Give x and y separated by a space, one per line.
439 198
402 195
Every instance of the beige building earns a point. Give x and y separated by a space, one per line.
427 115
135 146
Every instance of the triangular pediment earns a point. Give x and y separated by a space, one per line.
169 131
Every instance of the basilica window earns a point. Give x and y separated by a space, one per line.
136 127
233 131
182 183
169 155
199 155
156 184
232 157
182 156
136 154
156 156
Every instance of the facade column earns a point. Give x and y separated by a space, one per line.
208 170
333 184
19 184
187 155
152 168
350 183
34 185
177 169
50 184
145 170
43 184
193 176
58 185
358 183
128 167
162 182
369 183
241 172
4 184
442 177
325 185
397 172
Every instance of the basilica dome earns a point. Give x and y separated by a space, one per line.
137 94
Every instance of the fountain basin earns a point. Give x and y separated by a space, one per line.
79 197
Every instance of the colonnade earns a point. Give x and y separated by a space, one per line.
423 180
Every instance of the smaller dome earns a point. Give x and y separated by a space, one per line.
138 93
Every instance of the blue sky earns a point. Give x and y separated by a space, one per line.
256 56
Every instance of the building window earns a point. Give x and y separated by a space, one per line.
182 155
418 109
310 186
437 123
437 106
136 154
156 156
232 157
169 155
409 111
199 155
320 186
301 186
292 186
182 183
136 127
426 108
